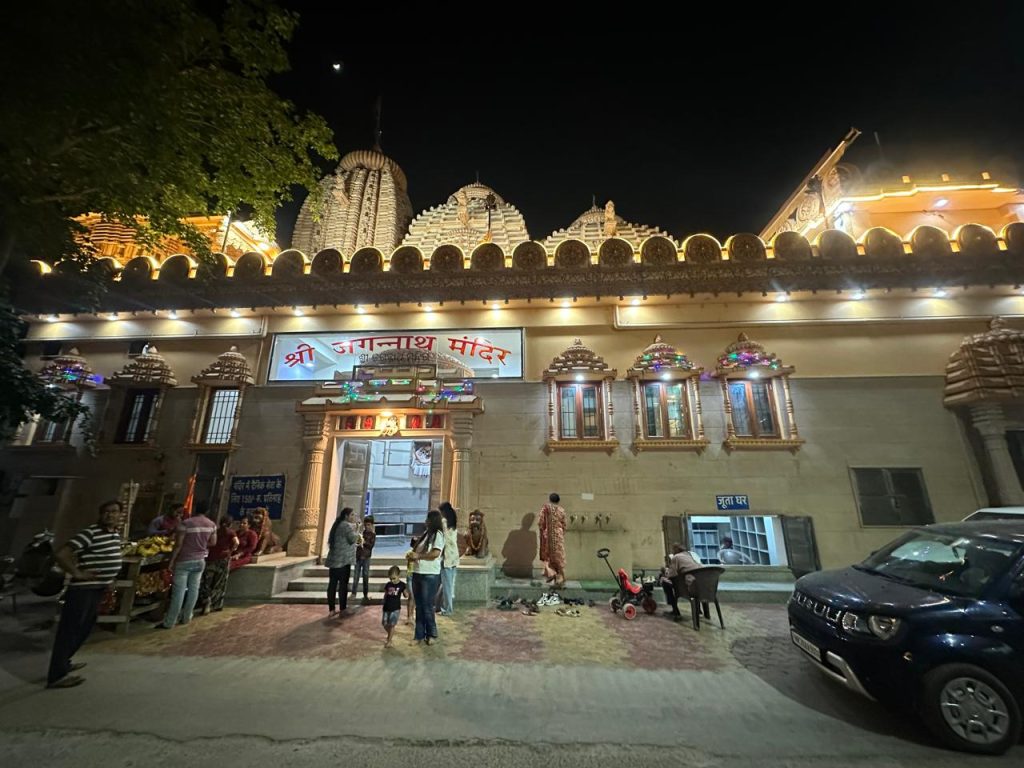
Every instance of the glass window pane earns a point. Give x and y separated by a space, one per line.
675 403
136 405
740 412
591 423
762 392
567 412
220 419
652 410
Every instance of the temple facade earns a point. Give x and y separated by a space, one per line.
807 392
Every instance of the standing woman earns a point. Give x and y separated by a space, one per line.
552 540
340 556
427 557
450 559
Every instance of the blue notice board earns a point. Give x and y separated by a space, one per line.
248 492
732 503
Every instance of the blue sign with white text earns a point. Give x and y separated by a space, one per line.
246 493
731 503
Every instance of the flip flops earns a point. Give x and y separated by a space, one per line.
570 612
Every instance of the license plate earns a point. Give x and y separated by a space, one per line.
806 646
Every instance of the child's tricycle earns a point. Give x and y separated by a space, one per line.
630 596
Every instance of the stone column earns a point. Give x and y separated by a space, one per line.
306 519
790 412
462 443
991 425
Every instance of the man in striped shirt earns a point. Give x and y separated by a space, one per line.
93 559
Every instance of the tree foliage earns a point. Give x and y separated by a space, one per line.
153 109
145 112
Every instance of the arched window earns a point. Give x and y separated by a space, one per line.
579 405
758 402
666 400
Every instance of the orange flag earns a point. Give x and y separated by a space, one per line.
189 497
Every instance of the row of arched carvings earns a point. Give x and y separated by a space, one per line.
831 245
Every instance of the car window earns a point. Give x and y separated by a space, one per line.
958 565
996 516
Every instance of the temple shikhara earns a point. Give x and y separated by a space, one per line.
853 368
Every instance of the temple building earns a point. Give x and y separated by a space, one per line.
855 369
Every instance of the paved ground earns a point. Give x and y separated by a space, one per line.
276 684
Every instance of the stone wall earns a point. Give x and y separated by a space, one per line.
876 422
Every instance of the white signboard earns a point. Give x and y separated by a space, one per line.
479 354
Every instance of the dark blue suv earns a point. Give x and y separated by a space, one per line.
933 622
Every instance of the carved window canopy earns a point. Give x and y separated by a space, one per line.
666 400
759 413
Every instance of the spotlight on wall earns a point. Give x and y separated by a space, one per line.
297 312
579 377
781 298
428 308
360 310
635 301
51 318
172 315
858 295
566 305
942 202
495 306
940 293
112 316
235 313
755 374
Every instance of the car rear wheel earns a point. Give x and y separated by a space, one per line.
970 710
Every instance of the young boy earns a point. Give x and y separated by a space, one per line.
363 554
393 592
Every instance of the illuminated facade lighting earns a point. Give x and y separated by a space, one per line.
940 293
297 312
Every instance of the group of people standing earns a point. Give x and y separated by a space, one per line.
432 563
204 555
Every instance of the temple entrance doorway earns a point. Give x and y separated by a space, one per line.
396 480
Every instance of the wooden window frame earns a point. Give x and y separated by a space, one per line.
580 411
663 414
753 421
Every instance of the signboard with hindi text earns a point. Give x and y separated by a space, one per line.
473 353
246 493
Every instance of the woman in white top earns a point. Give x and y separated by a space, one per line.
425 580
450 559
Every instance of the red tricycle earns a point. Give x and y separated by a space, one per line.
630 596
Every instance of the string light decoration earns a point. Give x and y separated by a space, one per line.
744 354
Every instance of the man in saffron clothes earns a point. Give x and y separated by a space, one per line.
552 540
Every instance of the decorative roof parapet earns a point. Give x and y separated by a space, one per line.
229 368
988 366
578 359
68 371
149 368
661 358
596 225
746 356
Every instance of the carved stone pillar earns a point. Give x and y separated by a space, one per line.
730 429
699 416
306 519
991 425
462 444
790 412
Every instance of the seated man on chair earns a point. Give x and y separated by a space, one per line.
679 564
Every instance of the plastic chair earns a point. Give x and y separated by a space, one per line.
703 591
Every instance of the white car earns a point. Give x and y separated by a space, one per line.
997 513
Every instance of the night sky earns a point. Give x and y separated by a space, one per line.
690 123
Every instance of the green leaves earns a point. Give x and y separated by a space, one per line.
147 113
